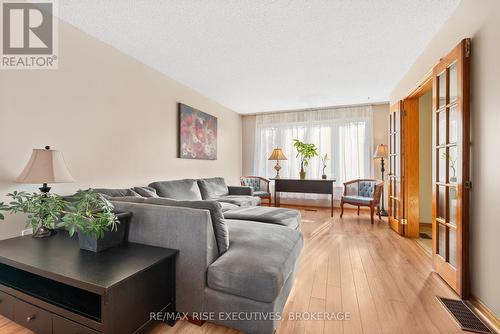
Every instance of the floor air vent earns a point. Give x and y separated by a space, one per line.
465 318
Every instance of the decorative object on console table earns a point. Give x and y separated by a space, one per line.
305 152
381 153
197 134
277 155
324 159
310 186
71 291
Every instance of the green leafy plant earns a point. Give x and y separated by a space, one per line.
304 152
90 213
42 209
86 211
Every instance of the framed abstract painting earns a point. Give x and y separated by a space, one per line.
197 134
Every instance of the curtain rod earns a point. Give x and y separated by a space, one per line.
317 108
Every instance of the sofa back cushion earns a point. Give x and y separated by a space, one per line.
116 192
186 190
146 191
215 209
214 187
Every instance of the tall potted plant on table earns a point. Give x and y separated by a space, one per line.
304 152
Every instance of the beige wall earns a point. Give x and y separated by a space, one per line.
380 112
114 119
425 158
479 20
248 143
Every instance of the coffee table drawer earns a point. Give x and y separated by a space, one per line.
32 317
62 325
6 305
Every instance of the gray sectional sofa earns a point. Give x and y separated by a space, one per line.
234 256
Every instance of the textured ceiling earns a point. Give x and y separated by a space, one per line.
258 55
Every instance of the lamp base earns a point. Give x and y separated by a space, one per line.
43 232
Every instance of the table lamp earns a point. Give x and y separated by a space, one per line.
381 153
277 155
45 166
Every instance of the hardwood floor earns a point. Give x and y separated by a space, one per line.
383 280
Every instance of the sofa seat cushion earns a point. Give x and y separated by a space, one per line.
261 193
213 187
357 199
240 200
278 216
259 261
228 206
183 190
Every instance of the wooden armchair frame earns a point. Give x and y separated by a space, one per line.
263 179
372 204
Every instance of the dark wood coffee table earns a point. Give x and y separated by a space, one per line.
49 285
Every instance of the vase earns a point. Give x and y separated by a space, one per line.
323 176
110 239
302 175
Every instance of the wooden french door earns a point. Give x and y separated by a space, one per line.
451 168
396 153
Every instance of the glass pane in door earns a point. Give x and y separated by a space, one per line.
442 240
452 193
442 89
452 164
453 126
452 246
442 127
453 83
442 165
441 202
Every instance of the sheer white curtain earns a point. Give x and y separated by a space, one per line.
346 134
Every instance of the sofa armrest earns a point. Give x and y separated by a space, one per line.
188 230
240 190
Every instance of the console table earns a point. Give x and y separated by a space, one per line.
307 186
49 285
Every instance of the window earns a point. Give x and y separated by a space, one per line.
344 133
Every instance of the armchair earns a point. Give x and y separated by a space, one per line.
362 192
259 185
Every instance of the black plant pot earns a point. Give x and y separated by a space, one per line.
110 239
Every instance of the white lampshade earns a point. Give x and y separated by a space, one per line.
380 151
45 166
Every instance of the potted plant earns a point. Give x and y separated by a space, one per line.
44 210
86 213
305 152
91 216
324 159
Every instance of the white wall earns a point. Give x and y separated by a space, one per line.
114 119
479 20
